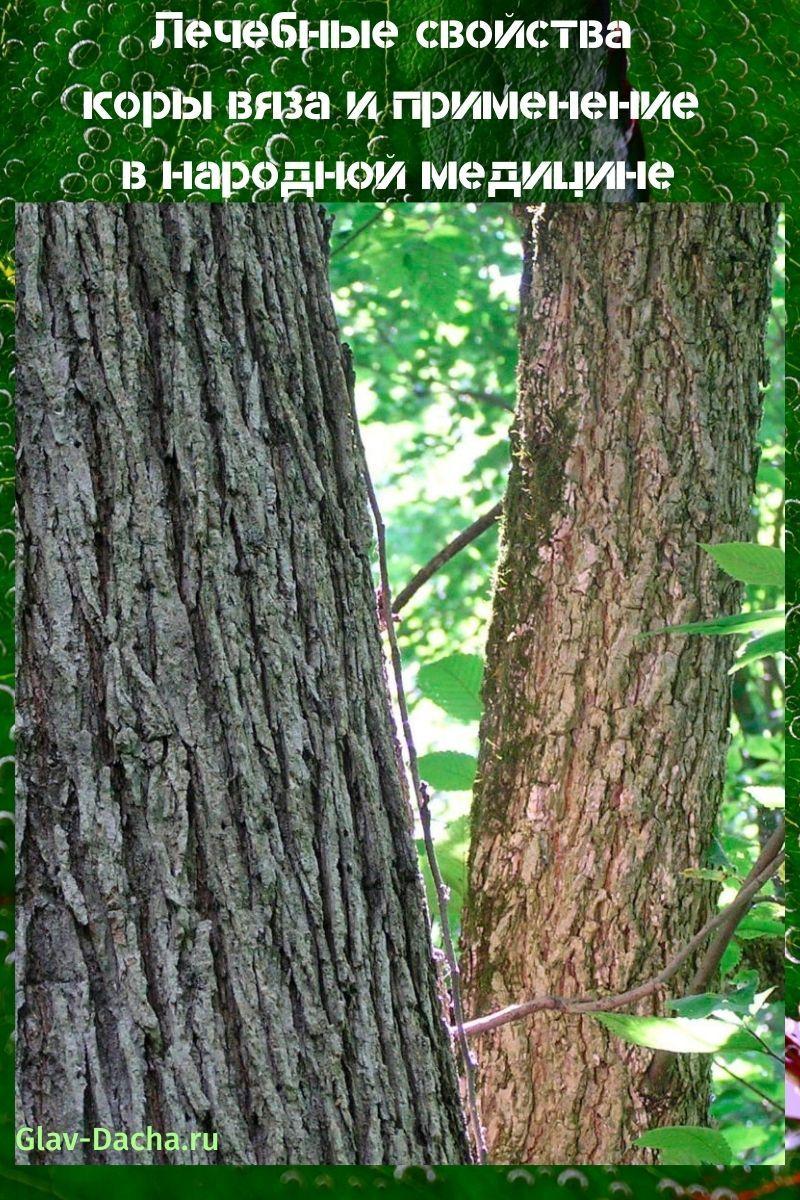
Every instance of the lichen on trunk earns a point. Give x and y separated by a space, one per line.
222 925
602 754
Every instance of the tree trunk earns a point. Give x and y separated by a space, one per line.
602 755
222 925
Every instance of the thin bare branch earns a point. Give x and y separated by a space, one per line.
709 964
468 535
729 917
745 1083
486 397
354 233
422 799
707 968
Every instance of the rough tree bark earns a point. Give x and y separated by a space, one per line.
602 755
222 925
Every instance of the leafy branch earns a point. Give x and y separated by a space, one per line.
725 921
732 918
757 565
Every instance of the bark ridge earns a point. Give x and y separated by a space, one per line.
602 755
222 924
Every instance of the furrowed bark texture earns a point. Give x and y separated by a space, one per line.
602 756
222 925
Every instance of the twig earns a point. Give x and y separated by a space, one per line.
487 397
738 906
710 961
468 535
420 791
354 233
421 795
750 1086
713 956
767 1048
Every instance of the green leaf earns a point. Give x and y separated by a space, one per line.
448 770
451 852
680 1035
454 683
741 999
761 647
760 1000
750 563
699 1006
768 797
730 959
763 921
715 874
771 475
687 1145
772 619
758 746
742 1138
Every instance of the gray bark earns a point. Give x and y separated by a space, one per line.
221 920
602 755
